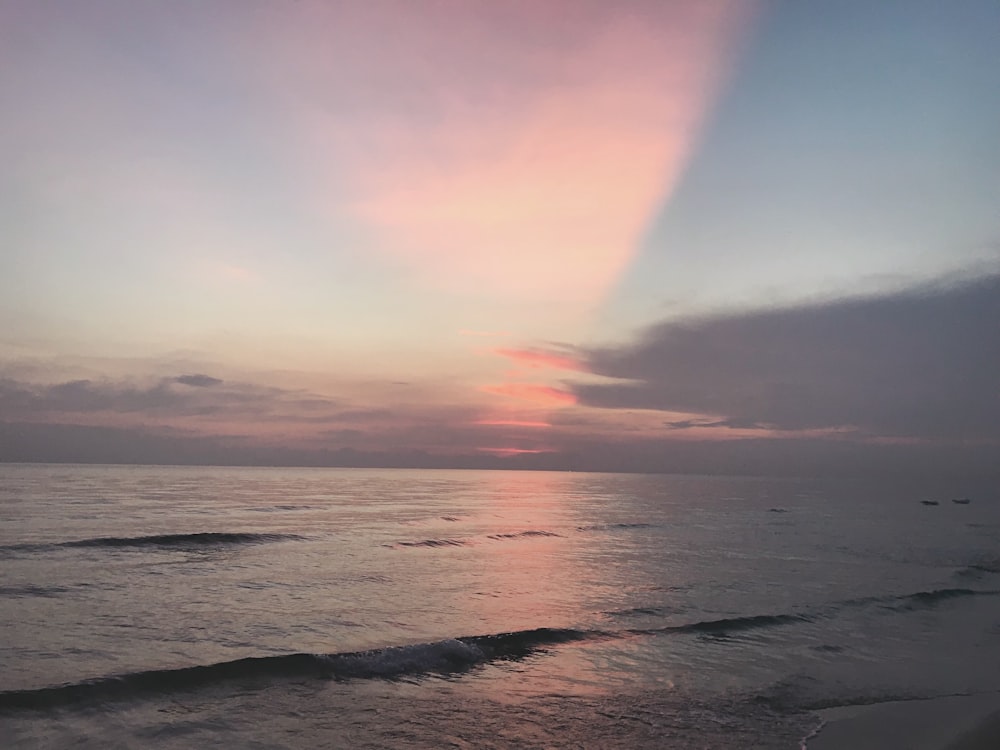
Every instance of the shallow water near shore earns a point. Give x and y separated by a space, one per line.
220 607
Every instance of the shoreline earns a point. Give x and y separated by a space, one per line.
950 723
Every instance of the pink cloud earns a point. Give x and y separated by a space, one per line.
544 394
513 451
540 358
512 150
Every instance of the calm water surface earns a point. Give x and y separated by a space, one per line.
253 607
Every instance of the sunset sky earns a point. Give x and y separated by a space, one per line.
678 235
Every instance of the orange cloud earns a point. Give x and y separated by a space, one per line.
544 394
540 358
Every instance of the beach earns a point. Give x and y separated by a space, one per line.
951 723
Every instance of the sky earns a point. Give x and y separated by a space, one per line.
714 236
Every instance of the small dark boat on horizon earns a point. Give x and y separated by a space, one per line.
929 502
961 500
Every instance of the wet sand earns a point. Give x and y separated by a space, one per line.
954 723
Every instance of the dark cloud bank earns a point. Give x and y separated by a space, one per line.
922 364
908 384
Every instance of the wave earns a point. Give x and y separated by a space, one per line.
505 536
636 611
279 508
977 569
521 643
992 566
197 539
448 656
29 590
441 657
520 534
727 625
923 599
448 542
433 543
613 526
907 602
800 692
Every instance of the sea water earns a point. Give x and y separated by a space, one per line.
178 607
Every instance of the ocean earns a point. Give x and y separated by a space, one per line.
180 607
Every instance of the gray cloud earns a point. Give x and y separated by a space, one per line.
923 363
687 424
197 380
85 396
365 415
202 396
964 469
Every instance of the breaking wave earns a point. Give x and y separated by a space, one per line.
440 657
448 656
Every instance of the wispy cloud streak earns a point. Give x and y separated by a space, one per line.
542 358
511 149
543 394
